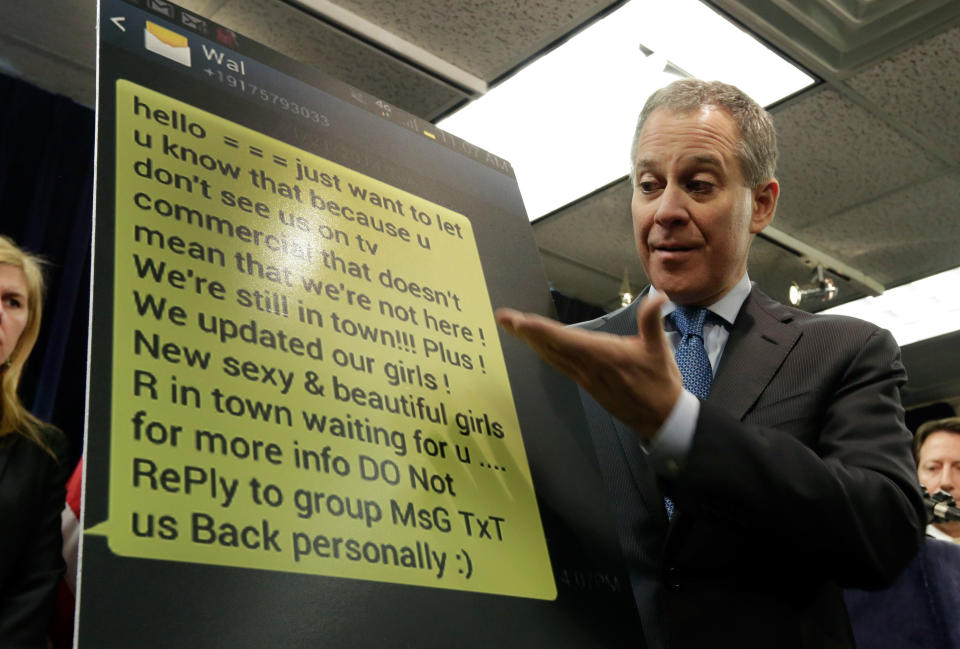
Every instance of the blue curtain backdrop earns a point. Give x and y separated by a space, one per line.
46 191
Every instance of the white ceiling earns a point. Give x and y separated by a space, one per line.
870 157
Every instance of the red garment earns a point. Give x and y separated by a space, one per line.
61 627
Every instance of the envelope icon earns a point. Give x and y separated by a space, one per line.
164 42
193 22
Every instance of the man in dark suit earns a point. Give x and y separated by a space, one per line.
755 454
919 609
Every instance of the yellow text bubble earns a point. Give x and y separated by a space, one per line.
306 373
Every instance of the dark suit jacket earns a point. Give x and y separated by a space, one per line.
31 564
918 610
799 481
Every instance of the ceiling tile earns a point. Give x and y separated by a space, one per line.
835 37
484 38
53 74
900 237
298 35
593 226
835 155
56 55
596 231
66 29
920 87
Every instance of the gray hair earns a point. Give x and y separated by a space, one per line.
757 145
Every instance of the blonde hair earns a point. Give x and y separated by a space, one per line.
14 418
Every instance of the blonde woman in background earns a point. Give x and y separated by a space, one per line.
31 467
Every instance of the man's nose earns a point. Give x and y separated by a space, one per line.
947 483
672 206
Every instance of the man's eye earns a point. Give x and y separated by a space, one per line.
647 186
700 186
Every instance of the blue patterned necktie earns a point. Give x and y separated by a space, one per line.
692 359
691 355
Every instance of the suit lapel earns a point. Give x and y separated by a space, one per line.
622 322
761 338
759 342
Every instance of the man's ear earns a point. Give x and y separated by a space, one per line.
764 205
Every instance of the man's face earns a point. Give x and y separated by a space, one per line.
693 218
939 466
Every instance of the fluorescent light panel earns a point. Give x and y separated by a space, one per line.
565 121
923 309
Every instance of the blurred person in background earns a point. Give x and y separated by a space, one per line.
919 610
937 450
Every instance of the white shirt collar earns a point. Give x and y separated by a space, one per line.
726 307
937 533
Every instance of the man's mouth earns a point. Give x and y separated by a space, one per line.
670 248
673 253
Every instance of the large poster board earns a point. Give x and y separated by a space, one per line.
304 426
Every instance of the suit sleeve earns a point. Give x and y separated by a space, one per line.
830 479
33 573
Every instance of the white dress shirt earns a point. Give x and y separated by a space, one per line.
937 533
